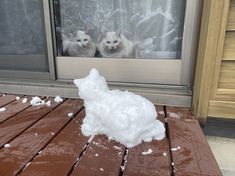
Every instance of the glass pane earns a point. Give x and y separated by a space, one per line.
22 42
21 27
120 28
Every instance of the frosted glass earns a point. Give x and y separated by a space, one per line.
21 27
154 26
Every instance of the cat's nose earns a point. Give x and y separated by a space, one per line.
83 45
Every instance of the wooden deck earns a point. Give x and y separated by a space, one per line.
45 141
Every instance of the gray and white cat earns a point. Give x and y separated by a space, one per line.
115 44
82 45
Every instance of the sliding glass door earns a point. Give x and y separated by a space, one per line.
23 50
135 41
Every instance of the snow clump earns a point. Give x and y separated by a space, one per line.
149 151
2 109
123 116
25 100
58 99
36 101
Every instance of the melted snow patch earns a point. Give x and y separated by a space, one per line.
2 109
58 99
174 115
117 148
149 151
121 115
161 112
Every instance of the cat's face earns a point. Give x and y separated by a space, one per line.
83 39
112 40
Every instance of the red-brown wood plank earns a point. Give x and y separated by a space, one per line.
194 156
103 157
21 121
60 155
14 108
23 148
6 99
156 163
179 112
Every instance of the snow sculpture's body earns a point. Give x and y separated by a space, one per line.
122 116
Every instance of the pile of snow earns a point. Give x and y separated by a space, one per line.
58 99
2 109
123 116
36 101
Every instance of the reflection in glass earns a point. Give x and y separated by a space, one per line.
21 27
140 28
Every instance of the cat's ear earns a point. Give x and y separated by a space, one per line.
105 33
93 72
119 33
86 30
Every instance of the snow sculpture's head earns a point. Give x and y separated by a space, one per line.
92 86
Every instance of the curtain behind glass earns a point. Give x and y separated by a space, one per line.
155 26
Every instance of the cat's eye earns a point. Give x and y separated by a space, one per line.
108 42
115 41
78 40
85 40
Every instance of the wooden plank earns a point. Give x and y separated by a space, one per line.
21 121
210 51
14 108
231 16
103 157
5 99
156 163
26 146
193 157
60 155
225 95
229 46
227 75
179 112
222 109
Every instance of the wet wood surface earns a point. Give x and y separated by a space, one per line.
13 108
45 141
156 163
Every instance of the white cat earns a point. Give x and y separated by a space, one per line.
122 116
115 44
82 46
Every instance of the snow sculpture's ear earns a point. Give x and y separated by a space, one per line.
93 72
77 82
